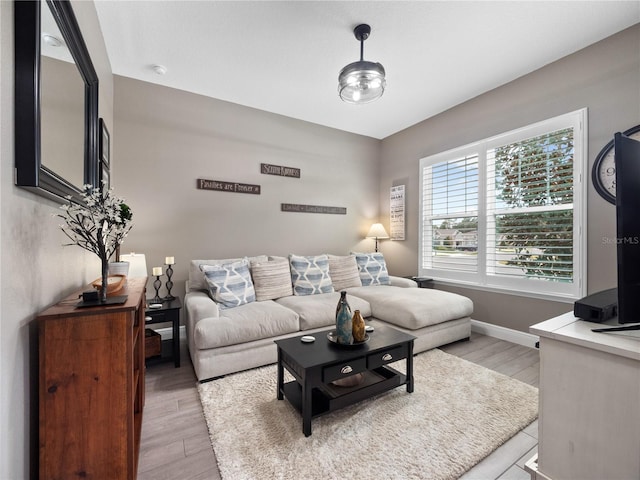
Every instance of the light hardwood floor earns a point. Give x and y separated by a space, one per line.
175 443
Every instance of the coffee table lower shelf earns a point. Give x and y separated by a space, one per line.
327 398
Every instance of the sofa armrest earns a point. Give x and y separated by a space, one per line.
199 305
402 282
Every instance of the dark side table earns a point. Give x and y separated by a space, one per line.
168 313
423 282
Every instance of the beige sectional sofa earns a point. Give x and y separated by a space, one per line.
224 338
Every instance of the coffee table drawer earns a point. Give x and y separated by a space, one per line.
342 370
378 359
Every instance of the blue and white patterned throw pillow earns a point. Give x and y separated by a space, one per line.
230 284
372 269
310 275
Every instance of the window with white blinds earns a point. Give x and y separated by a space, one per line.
507 212
451 197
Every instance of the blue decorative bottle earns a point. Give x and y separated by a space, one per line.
344 328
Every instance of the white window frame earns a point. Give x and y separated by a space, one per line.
552 290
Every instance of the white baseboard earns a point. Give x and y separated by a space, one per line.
503 333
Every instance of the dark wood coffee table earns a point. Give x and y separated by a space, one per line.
315 365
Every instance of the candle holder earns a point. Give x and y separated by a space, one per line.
157 284
169 283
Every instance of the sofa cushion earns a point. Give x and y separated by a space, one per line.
413 308
310 275
196 278
271 279
344 272
372 269
230 284
246 323
317 311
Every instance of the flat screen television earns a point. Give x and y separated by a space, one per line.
627 161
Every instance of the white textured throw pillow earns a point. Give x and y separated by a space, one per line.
230 284
310 275
344 272
271 279
372 268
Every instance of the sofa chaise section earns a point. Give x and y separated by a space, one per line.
224 340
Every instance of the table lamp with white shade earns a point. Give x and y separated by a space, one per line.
377 231
137 264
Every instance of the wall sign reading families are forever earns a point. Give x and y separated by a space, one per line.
267 169
221 186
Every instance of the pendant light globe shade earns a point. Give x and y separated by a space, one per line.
361 82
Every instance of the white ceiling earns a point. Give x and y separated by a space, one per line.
284 56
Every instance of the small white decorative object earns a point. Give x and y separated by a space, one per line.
119 268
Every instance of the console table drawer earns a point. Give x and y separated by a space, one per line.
378 359
342 370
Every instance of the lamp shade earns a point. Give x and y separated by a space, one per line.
137 264
377 231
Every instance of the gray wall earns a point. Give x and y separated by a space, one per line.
604 77
164 139
36 270
168 138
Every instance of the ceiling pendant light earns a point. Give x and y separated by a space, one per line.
361 81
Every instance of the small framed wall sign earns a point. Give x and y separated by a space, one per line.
104 147
396 212
222 186
104 154
268 169
296 207
105 176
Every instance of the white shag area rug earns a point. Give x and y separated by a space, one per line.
458 414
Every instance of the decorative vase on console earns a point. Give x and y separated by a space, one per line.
344 326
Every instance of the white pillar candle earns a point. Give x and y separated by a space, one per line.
169 261
157 271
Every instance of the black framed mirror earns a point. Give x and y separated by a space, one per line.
56 101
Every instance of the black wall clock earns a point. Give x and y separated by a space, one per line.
603 174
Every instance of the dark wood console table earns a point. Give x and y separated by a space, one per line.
92 387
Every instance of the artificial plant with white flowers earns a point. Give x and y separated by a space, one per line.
98 225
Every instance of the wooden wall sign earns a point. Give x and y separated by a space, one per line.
267 169
396 212
294 207
221 186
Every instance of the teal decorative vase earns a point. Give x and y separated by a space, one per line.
344 327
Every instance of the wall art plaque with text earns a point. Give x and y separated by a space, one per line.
295 207
221 186
396 212
280 170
